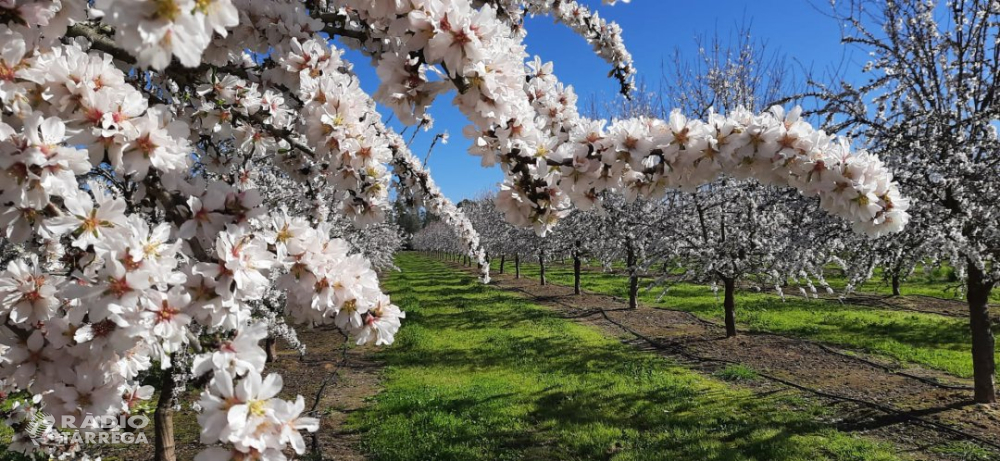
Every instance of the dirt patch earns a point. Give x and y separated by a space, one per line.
342 380
917 409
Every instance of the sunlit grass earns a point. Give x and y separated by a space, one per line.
477 373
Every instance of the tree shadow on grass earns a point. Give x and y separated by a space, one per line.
879 420
502 379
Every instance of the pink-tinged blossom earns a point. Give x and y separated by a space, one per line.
28 293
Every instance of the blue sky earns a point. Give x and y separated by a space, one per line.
653 29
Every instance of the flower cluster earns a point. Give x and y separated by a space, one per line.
646 157
156 31
246 414
142 224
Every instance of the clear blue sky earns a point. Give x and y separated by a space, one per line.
653 29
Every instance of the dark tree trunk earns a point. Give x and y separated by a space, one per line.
503 260
633 291
983 366
633 278
541 267
271 348
163 419
576 273
729 304
895 285
517 265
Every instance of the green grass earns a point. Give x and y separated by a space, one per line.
932 340
940 283
737 373
478 373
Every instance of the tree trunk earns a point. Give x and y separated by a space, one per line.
895 284
503 260
729 304
163 419
517 265
271 348
983 366
576 273
541 267
633 278
633 291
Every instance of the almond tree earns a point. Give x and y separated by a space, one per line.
929 109
437 237
733 232
629 231
734 229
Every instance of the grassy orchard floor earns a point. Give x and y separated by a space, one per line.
935 341
478 373
940 282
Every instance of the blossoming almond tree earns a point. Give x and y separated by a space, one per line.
931 110
732 230
437 237
131 132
